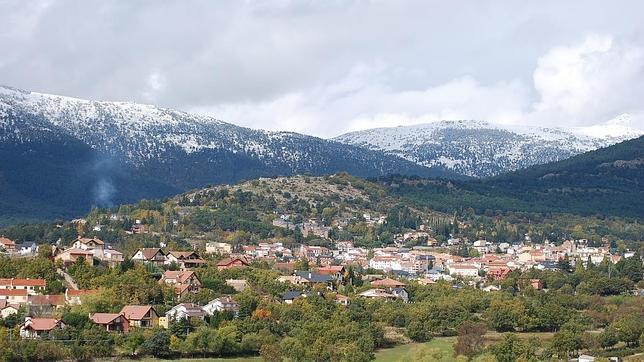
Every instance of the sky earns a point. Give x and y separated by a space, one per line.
327 67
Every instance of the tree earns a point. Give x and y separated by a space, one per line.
629 328
131 341
302 264
503 315
470 339
158 345
510 349
608 338
566 341
564 264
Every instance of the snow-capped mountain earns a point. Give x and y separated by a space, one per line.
481 149
117 152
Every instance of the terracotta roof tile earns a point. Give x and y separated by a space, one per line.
41 324
136 312
13 292
387 282
104 318
6 241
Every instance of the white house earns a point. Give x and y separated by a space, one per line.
185 310
463 270
222 304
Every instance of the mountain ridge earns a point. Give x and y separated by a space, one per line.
125 151
484 149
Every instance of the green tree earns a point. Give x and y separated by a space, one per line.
566 342
158 345
510 349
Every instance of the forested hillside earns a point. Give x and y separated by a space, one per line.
607 181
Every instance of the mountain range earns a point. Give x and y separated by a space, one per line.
61 155
483 149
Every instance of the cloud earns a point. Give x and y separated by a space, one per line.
325 67
154 86
590 82
363 99
583 84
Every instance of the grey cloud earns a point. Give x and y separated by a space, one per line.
242 59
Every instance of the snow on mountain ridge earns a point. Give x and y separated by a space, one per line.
481 149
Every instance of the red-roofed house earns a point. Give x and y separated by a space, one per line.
498 273
14 296
7 309
88 244
46 304
69 256
184 281
36 327
150 255
387 283
185 259
234 262
8 244
144 316
336 271
113 322
32 286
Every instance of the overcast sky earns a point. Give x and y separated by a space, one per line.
327 67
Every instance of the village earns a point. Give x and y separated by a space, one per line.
306 269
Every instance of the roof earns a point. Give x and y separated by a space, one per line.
104 318
313 277
136 312
26 244
41 324
6 241
387 282
89 240
192 310
226 299
183 254
149 253
341 297
14 292
5 304
290 295
23 282
54 299
228 261
180 276
331 269
78 251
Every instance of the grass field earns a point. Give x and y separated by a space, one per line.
247 359
438 349
441 348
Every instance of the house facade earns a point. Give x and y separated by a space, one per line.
37 327
112 322
142 316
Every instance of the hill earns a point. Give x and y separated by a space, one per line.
608 181
483 149
61 155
